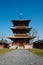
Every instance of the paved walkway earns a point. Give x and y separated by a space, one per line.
20 57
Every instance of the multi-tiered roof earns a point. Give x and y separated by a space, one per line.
21 29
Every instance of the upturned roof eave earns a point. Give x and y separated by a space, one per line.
16 22
14 37
20 20
27 30
20 28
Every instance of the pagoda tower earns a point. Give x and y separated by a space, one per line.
21 38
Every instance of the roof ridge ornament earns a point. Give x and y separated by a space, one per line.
20 16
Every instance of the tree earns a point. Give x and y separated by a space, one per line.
34 33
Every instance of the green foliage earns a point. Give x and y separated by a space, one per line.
5 50
37 51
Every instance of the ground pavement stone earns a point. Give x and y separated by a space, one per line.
20 57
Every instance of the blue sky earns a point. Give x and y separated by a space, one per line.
30 9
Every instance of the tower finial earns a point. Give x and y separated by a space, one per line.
20 16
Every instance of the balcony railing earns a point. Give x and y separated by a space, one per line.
21 34
21 26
